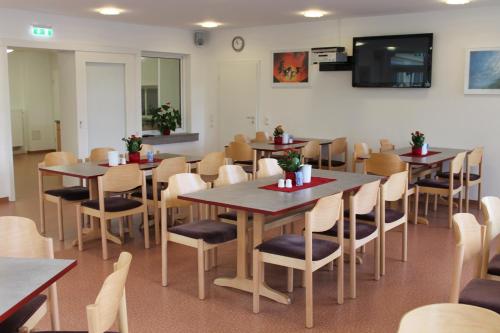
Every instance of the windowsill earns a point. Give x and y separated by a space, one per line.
172 138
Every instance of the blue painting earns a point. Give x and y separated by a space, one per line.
484 70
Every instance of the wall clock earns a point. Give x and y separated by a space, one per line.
238 43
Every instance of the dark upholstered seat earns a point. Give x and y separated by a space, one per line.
494 265
446 175
390 216
334 163
483 293
114 204
294 246
149 193
232 215
411 186
17 320
73 193
247 168
149 180
436 183
212 232
363 230
249 162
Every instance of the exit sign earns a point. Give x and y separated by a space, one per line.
42 31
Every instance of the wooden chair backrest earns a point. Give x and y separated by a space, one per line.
121 178
145 148
241 138
365 199
311 149
169 167
361 149
384 164
59 158
469 239
386 146
210 164
230 174
240 151
457 164
110 302
338 147
261 137
395 187
19 238
269 167
182 183
490 209
99 154
326 213
475 158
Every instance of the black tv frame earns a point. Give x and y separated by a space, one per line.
430 37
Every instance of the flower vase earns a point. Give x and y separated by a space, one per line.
291 175
425 149
278 140
416 151
166 131
134 157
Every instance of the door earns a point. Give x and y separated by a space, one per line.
106 105
238 99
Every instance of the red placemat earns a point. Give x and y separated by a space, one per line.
143 161
315 181
429 153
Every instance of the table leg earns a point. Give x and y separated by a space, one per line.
242 281
54 307
254 165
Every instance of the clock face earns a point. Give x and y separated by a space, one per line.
238 43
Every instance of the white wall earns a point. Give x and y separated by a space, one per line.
332 108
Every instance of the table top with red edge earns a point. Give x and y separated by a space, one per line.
21 279
444 154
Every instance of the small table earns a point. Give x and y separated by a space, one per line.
21 279
248 198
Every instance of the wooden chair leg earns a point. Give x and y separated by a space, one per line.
363 249
376 250
450 210
340 279
54 307
60 226
382 254
146 227
156 219
479 188
79 227
206 260
426 211
130 227
467 198
460 201
256 281
104 240
164 257
201 270
214 257
42 214
121 225
417 195
289 285
309 297
352 272
405 241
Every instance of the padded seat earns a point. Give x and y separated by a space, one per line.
411 186
149 180
149 193
436 184
249 162
472 176
232 215
482 293
210 231
73 193
294 246
21 316
334 163
114 204
390 216
494 265
363 230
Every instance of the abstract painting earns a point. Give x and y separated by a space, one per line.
482 75
291 69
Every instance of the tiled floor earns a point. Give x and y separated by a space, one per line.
424 279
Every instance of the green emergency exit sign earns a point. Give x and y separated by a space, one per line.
42 31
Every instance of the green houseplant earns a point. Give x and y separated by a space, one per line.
134 145
290 163
278 135
418 145
166 118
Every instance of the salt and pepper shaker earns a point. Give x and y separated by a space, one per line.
281 183
151 156
288 183
123 160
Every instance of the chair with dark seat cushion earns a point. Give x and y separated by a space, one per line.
437 184
494 266
13 323
210 231
483 293
363 230
294 246
446 175
149 193
334 163
73 193
391 215
338 155
113 204
232 216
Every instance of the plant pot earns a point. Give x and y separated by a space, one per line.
417 151
134 157
166 131
278 140
291 175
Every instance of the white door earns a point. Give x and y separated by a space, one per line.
238 99
106 105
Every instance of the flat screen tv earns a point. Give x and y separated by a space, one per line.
403 61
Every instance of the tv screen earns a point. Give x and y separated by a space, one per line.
403 61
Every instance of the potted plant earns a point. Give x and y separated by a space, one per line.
166 118
278 135
418 145
134 145
290 163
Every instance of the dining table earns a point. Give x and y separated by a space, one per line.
22 279
255 199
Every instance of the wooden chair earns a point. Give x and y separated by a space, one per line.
312 153
229 175
241 153
269 167
304 252
357 235
241 138
111 304
19 238
208 167
449 318
168 167
119 179
60 196
445 188
338 148
491 217
203 235
99 154
360 153
386 146
261 137
145 148
470 239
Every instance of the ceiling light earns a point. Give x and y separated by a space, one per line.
109 11
209 24
314 13
391 48
10 50
457 2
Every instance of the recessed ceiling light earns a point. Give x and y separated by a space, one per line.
457 2
314 13
10 50
109 11
209 24
391 48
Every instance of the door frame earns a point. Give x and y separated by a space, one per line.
258 97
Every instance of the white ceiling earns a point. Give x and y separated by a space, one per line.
233 13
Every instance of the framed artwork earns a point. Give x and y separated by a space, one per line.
482 71
291 68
